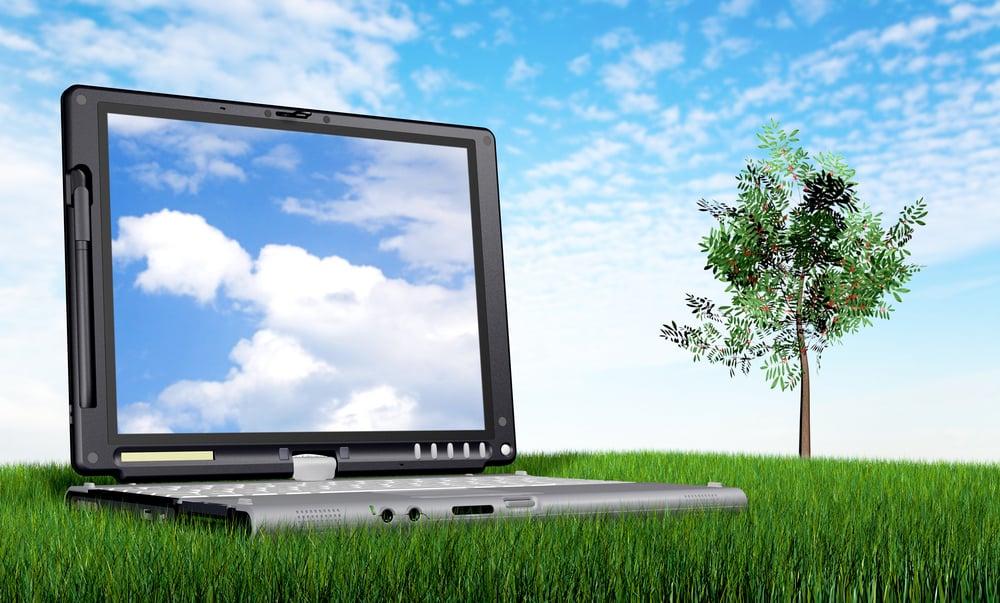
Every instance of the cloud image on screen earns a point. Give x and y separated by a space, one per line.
270 281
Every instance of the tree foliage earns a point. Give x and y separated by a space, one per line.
804 260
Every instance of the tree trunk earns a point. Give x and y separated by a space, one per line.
804 448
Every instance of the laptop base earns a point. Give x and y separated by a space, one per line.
402 501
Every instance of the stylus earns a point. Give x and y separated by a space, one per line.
84 377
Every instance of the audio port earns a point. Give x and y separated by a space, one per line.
386 515
413 514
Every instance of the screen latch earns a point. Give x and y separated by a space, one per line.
313 467
298 114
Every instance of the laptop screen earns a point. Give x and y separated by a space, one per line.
246 283
275 280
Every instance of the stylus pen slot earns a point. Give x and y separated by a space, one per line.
84 378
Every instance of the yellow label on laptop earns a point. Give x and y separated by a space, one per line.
178 455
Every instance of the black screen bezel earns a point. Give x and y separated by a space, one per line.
96 445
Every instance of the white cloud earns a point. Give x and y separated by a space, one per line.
713 28
621 76
594 158
720 185
342 53
185 255
889 104
834 119
768 93
962 12
830 70
432 80
282 157
15 42
521 72
640 66
33 365
783 21
288 278
588 280
376 409
673 5
912 35
989 53
421 191
721 46
638 103
197 153
259 394
464 30
850 93
616 39
811 11
19 8
736 8
143 417
592 112
909 34
332 339
370 19
504 33
727 47
33 400
682 135
276 359
671 115
376 19
973 19
658 56
580 64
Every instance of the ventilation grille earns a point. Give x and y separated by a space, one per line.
320 515
705 496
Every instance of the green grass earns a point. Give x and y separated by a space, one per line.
815 530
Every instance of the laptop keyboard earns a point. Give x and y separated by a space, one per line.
287 487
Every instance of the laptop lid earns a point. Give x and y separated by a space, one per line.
247 283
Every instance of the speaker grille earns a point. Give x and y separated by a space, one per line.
319 515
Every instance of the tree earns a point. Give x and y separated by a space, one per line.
802 276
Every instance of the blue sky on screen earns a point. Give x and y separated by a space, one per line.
287 281
612 119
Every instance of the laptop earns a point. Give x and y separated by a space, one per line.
280 318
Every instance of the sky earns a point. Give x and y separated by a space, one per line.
264 281
612 119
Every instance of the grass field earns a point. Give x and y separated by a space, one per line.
815 530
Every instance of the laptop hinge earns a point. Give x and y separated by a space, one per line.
313 467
